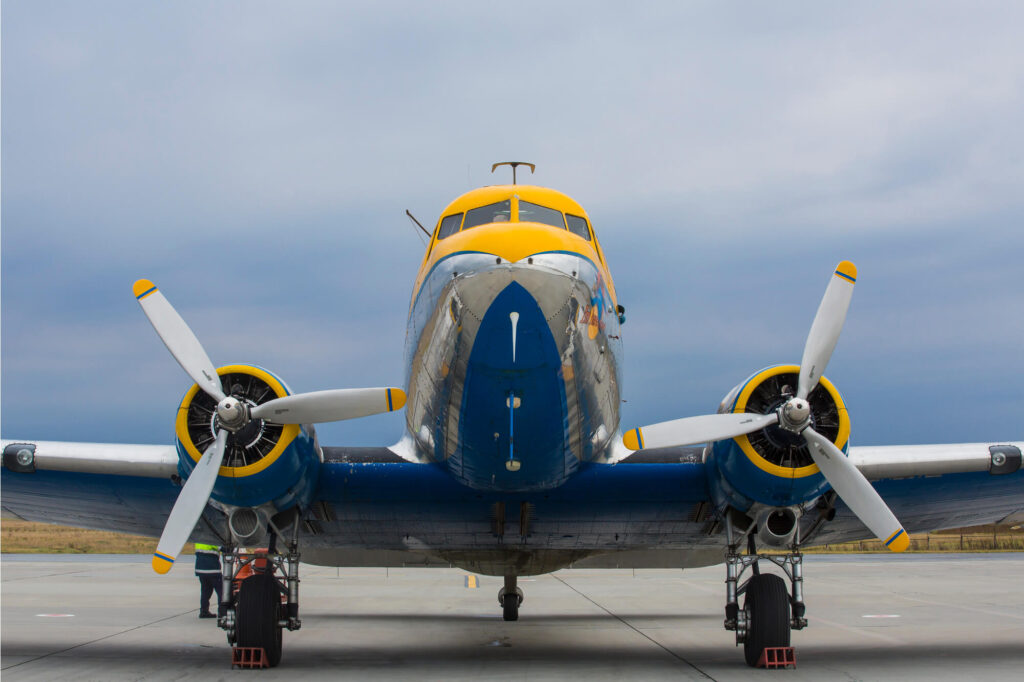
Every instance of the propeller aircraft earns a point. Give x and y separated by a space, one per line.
514 461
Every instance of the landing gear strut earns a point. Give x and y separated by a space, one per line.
510 597
769 613
260 598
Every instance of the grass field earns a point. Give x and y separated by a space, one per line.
24 537
980 539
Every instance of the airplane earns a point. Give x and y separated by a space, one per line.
513 461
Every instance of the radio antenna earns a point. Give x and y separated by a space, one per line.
418 224
514 164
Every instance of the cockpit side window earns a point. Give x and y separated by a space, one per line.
449 225
532 213
500 212
578 226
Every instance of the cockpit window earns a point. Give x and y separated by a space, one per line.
500 212
449 225
532 213
578 226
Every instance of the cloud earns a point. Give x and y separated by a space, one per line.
255 159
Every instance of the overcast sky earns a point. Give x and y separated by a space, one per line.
254 159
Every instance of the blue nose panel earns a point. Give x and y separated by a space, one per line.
492 376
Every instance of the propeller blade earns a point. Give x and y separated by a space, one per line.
827 325
703 429
858 494
178 338
189 506
329 406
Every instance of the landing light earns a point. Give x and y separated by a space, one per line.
25 455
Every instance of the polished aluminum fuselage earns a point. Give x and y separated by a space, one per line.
513 362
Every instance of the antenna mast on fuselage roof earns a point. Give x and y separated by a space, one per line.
514 164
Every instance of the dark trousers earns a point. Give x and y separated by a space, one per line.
208 584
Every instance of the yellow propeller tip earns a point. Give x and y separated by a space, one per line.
634 440
162 564
847 270
396 399
143 288
899 541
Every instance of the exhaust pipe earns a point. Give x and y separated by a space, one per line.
247 525
775 527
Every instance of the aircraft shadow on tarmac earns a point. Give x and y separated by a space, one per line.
545 619
119 659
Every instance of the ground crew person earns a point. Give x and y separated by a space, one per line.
208 572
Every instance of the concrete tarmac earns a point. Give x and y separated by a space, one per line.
872 617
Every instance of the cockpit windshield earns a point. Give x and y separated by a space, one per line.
449 225
500 212
533 213
578 226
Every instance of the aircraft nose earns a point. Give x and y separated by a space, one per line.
551 288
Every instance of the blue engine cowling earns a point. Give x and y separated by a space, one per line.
773 466
263 463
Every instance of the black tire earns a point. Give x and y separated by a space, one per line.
767 607
510 606
258 610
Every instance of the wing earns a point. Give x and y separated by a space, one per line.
106 486
111 486
375 507
933 487
654 509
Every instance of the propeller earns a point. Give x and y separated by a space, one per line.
855 490
828 323
329 406
179 338
189 505
233 414
703 429
795 415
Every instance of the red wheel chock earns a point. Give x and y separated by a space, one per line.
777 657
249 657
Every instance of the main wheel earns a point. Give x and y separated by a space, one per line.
767 609
510 606
258 611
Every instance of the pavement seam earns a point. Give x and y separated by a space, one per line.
37 577
635 629
98 639
945 605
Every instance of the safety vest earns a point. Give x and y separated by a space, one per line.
207 559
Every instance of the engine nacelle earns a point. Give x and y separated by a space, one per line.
264 464
773 466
